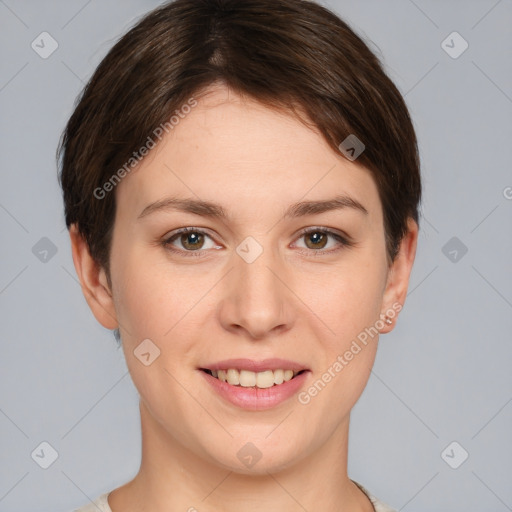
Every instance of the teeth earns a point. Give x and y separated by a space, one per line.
233 377
248 379
265 379
288 374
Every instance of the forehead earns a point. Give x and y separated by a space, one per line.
236 149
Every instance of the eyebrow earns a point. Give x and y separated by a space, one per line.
214 210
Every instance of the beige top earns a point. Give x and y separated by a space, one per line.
101 503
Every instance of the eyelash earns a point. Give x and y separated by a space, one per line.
344 242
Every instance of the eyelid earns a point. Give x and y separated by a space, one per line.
343 240
323 229
168 239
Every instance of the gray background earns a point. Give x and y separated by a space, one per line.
442 375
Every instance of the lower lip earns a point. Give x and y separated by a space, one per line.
256 399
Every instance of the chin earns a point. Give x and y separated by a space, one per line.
256 457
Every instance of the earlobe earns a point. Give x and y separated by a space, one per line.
93 281
398 278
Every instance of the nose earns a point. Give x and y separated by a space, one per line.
257 299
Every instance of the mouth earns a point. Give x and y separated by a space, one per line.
256 380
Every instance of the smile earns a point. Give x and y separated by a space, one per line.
250 379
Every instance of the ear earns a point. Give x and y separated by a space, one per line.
398 276
93 281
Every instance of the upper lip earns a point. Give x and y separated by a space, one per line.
256 366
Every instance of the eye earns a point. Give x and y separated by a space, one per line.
317 239
191 240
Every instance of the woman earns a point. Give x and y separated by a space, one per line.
241 185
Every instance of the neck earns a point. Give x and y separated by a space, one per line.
173 477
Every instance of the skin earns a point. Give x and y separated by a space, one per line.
291 302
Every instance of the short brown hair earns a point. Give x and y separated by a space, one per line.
287 54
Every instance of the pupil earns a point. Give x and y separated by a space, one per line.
317 238
194 237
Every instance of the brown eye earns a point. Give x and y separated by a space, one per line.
189 242
192 240
316 239
320 241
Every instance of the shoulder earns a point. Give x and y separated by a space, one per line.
100 504
378 505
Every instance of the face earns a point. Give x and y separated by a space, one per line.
267 280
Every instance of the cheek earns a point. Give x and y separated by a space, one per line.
348 298
155 302
152 295
350 307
